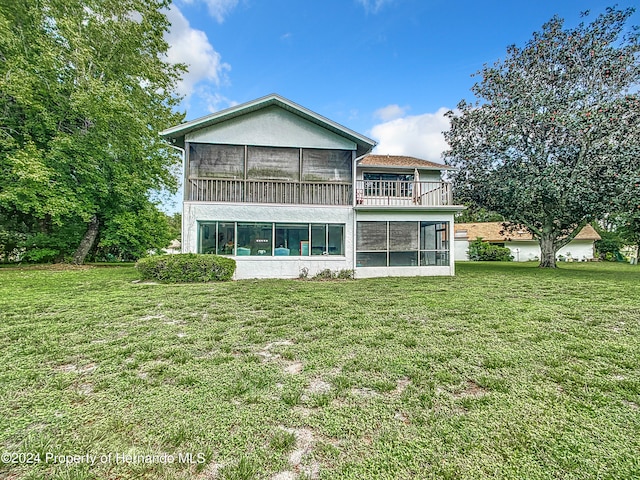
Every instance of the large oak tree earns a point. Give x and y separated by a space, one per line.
85 86
553 140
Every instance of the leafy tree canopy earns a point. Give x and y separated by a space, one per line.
84 88
553 141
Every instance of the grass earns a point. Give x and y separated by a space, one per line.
505 371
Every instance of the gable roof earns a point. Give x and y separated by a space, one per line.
177 133
401 161
490 232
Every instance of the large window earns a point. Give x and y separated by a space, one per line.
327 239
226 236
399 244
388 185
254 239
271 239
434 243
292 239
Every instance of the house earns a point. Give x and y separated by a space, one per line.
521 243
282 190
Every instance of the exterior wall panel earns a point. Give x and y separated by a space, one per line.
271 127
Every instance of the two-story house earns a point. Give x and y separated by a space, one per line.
282 189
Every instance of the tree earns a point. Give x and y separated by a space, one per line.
554 137
84 89
130 235
473 213
627 220
175 225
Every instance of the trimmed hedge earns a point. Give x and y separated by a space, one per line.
186 268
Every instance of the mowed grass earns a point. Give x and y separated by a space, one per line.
504 371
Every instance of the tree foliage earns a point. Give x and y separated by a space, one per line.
84 88
553 141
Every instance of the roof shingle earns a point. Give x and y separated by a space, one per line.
400 161
490 232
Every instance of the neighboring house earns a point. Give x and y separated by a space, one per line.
521 243
283 190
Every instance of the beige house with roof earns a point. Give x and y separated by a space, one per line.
521 243
284 190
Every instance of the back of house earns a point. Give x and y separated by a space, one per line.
284 190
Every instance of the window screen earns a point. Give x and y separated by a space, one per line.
326 165
372 236
273 163
221 161
403 236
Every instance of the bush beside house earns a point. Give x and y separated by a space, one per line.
186 267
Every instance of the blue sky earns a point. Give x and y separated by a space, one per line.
387 69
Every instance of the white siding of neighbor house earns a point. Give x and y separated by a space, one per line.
400 216
272 127
528 251
269 266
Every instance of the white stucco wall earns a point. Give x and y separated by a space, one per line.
272 267
529 251
272 127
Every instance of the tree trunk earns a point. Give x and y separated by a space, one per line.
547 251
87 241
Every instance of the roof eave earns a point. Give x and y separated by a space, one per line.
406 167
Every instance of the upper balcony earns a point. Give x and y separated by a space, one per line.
299 176
396 193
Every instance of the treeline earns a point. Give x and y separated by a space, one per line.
84 90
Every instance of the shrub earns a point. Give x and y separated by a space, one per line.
186 267
325 274
346 274
328 274
480 251
609 246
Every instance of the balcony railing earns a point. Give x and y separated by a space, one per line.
403 193
267 191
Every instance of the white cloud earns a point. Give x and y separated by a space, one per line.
219 9
390 112
190 46
373 6
416 135
214 101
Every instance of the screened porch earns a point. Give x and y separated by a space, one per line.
256 174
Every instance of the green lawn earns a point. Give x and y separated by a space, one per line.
505 371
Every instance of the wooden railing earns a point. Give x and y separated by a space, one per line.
267 191
398 193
